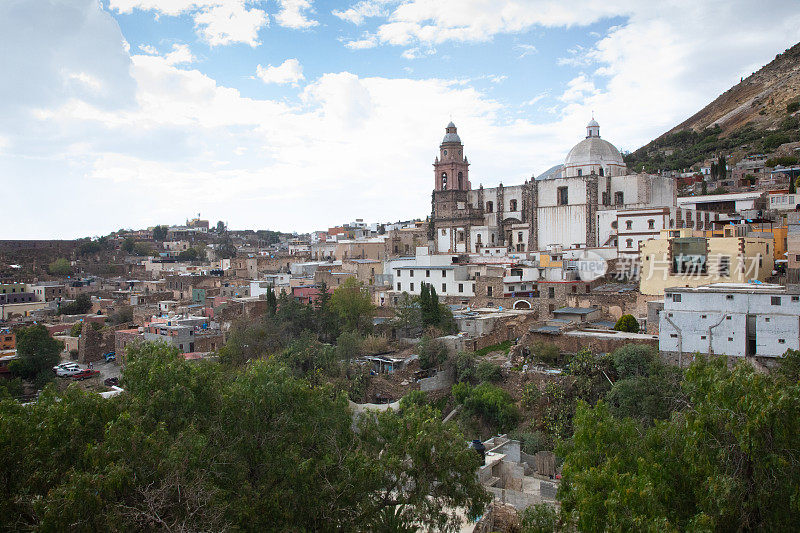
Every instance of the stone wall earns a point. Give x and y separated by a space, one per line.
442 380
574 343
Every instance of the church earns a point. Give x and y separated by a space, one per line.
591 201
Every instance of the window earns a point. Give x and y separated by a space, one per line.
796 298
444 232
460 236
618 198
410 273
775 300
398 285
673 335
479 238
703 316
444 287
492 238
444 274
628 243
488 291
510 288
781 341
513 205
562 198
727 318
766 319
602 172
651 224
519 236
729 296
551 292
676 297
489 207
702 337
605 199
730 339
689 255
628 224
411 287
613 223
580 172
460 180
444 180
460 287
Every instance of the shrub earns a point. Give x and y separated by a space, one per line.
76 329
504 346
488 371
81 305
432 353
489 402
348 345
534 441
530 395
415 397
539 518
373 344
791 107
546 352
465 367
627 323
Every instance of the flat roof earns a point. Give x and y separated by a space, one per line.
734 287
719 197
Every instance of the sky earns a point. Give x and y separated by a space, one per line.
299 115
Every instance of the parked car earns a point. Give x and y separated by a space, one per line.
85 374
66 369
111 382
110 356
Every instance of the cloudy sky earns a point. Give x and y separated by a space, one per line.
300 114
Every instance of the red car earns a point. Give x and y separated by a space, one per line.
85 374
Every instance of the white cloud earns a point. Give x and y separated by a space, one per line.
181 54
290 71
360 11
292 14
367 41
217 22
416 53
526 49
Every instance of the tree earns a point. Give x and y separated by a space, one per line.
432 353
407 314
627 323
351 301
160 233
465 367
37 353
727 461
76 329
272 302
251 341
60 267
494 405
348 346
418 470
81 305
220 227
121 316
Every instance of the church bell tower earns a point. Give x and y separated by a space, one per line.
451 168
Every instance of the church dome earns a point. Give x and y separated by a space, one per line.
594 154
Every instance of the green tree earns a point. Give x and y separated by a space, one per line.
81 305
272 302
465 367
725 462
407 313
76 329
351 301
249 341
37 353
348 346
60 267
160 233
432 353
627 323
220 227
419 472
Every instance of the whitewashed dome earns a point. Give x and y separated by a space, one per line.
594 154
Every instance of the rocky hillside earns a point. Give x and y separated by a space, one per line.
759 100
756 115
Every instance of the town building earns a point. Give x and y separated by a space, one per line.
734 319
686 258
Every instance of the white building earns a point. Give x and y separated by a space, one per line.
742 320
439 271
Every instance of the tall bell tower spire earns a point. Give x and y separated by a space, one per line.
451 168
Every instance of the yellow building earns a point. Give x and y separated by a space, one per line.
777 232
687 258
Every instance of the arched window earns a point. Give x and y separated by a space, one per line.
619 198
489 207
651 224
602 172
444 180
628 224
513 206
460 180
629 243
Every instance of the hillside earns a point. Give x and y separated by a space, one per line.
756 115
